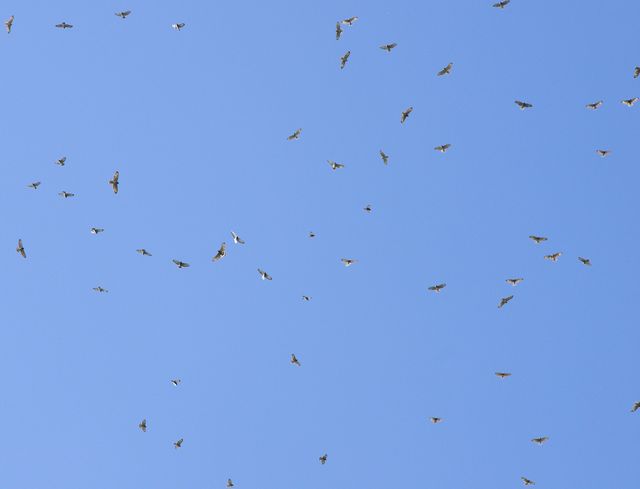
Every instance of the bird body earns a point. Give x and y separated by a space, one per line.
636 72
222 252
446 70
66 194
504 301
64 25
384 156
323 459
34 185
437 288
443 148
20 249
338 31
527 482
96 230
388 47
264 275
114 182
123 15
236 239
334 165
538 239
514 281
368 208
435 420
629 102
143 425
295 135
594 105
61 161
502 4
503 375
405 114
230 483
585 261
349 21
348 261
143 252
541 440
100 289
603 152
9 24
178 443
344 59
175 382
294 360
553 257
180 264
635 407
523 105
178 26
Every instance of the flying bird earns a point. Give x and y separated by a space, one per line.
405 114
603 152
585 261
306 298
178 443
334 165
338 31
323 459
66 194
368 208
349 21
236 239
435 420
178 26
175 382
523 105
20 249
264 275
502 4
61 161
221 252
96 230
446 70
180 264
636 72
229 483
64 25
34 185
594 105
504 301
295 135
541 440
143 425
348 261
437 288
123 15
294 360
629 102
527 482
503 375
114 182
312 234
344 59
538 239
143 252
384 156
9 24
553 257
442 148
514 281
100 289
389 47
635 407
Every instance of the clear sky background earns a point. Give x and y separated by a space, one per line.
196 122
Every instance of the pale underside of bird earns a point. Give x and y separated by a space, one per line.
180 264
124 14
384 156
9 24
143 425
143 252
229 483
437 288
20 249
350 20
594 105
446 70
312 234
367 208
64 25
264 275
502 4
540 440
96 230
435 420
306 298
553 256
178 25
338 31
295 135
629 102
405 114
635 407
178 444
344 59
585 261
636 72
504 301
503 375
176 382
294 360
114 182
34 185
514 281
527 482
538 239
603 152
323 459
443 148
388 47
100 289
348 261
61 161
221 252
334 165
236 239
523 105
66 194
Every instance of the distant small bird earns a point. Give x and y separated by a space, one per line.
34 185
636 72
143 252
538 239
504 301
66 194
349 21
541 440
61 161
446 70
553 257
527 482
100 289
368 208
294 360
630 101
338 31
523 105
585 261
635 407
344 59
503 375
384 156
323 459
175 382
178 26
236 239
9 24
502 4
230 483
437 288
178 443
264 275
221 252
180 264
603 152
20 249
594 105
64 25
435 420
96 230
442 148
334 165
389 47
514 281
143 425
295 135
123 15
114 182
312 234
348 261
405 115
306 298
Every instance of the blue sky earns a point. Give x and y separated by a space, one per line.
196 122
